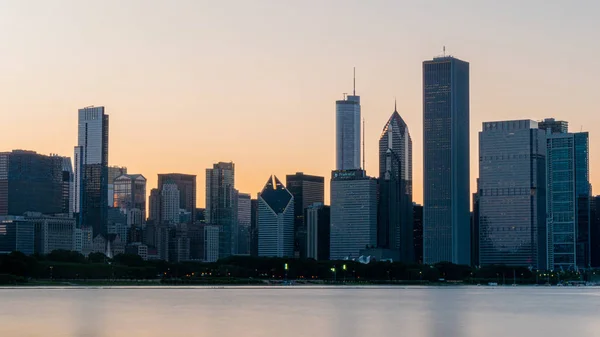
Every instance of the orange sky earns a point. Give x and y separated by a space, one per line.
196 82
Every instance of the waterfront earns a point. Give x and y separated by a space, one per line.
300 311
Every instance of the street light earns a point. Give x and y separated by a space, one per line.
51 268
344 268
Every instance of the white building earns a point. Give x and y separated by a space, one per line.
353 213
347 133
275 220
170 204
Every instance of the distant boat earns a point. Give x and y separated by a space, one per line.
493 284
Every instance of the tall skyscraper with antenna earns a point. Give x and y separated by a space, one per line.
446 192
347 131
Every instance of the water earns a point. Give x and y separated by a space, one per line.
300 312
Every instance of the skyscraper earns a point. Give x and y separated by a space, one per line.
418 232
31 182
113 173
275 220
595 231
353 213
512 194
130 197
91 169
347 132
244 219
186 184
306 190
221 205
395 223
170 202
446 228
154 201
569 195
318 227
254 227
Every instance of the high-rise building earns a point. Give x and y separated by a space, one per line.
130 197
154 201
30 182
254 227
347 132
91 169
113 173
244 218
446 192
186 184
170 202
221 205
553 126
418 232
67 185
595 231
395 223
318 227
475 229
512 194
275 220
569 193
306 190
353 213
211 243
16 235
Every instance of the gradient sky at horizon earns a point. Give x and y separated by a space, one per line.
190 83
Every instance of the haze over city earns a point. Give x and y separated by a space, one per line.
191 84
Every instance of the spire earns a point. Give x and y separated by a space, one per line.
395 105
354 83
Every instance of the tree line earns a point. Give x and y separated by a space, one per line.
59 265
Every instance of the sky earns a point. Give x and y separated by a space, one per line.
191 83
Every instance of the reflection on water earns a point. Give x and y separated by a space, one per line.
299 312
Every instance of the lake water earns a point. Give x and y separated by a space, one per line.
300 311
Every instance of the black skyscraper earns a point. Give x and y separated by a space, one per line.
306 190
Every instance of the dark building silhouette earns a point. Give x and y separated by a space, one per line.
31 182
395 214
418 232
221 205
186 184
318 228
446 192
154 209
475 231
254 227
595 231
306 190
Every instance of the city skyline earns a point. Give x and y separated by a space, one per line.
173 77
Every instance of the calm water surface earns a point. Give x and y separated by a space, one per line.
300 312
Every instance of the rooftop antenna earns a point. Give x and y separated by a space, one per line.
345 95
354 83
444 51
363 163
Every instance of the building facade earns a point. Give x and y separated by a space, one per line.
307 190
512 194
221 205
211 243
186 184
244 219
418 232
170 203
52 233
569 195
318 227
446 192
91 169
31 182
347 133
395 223
16 235
275 220
130 197
353 213
113 173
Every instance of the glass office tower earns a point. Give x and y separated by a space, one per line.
446 192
